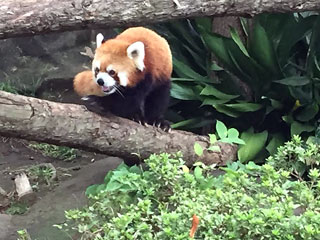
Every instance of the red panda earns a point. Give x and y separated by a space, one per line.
130 76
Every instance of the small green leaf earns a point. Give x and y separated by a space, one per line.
198 149
233 133
213 138
294 81
221 129
214 148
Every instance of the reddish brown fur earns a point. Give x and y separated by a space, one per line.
158 59
84 85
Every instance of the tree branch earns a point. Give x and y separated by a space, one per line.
27 17
74 126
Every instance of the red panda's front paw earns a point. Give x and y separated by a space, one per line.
137 118
162 124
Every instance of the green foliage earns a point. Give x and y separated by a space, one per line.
268 79
17 208
298 157
7 87
41 173
23 235
159 203
59 152
225 135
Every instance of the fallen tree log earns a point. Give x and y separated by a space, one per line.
27 17
74 126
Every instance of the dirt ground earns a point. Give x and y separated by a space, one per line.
49 199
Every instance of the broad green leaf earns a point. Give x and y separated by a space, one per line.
212 91
255 143
216 44
198 149
236 38
222 108
294 81
276 141
298 128
244 107
262 50
290 38
308 112
182 92
184 71
221 129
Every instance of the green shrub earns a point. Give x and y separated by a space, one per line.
159 203
297 156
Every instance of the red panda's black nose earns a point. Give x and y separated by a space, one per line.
100 81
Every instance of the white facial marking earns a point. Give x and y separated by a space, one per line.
123 78
95 64
99 39
108 81
136 52
109 68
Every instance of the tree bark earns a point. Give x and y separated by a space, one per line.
26 17
74 126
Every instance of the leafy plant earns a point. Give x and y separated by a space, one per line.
17 208
59 152
225 135
297 156
159 203
267 79
41 173
8 87
23 235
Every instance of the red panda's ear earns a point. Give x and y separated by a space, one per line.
136 52
99 39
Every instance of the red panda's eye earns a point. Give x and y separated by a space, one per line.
112 73
96 71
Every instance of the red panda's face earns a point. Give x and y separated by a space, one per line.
117 63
